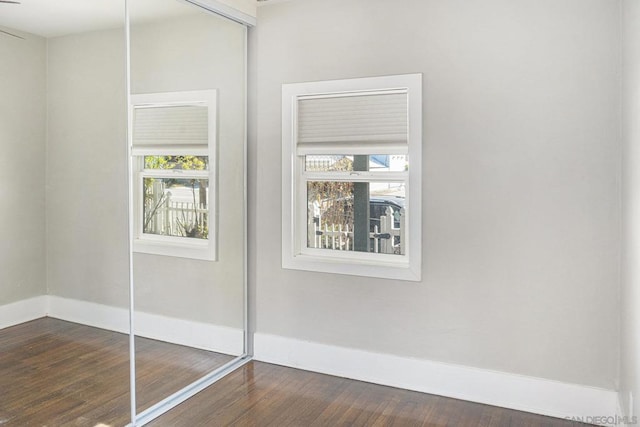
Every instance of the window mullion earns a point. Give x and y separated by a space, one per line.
183 174
362 176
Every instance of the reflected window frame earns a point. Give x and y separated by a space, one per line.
175 246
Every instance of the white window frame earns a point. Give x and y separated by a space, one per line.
295 253
183 247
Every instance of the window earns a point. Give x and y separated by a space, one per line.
173 158
352 176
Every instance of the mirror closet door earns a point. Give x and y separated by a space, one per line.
64 293
187 136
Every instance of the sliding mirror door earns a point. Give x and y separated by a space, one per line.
63 259
187 136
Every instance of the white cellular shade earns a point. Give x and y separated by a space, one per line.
170 125
353 123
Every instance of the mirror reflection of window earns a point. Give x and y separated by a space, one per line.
173 156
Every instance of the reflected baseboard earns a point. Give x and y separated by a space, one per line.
87 313
204 336
220 339
23 311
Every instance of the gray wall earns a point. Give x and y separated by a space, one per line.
630 298
521 194
199 52
22 163
87 168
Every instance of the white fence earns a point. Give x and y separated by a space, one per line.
339 237
169 218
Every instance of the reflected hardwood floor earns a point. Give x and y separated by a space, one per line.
260 394
57 373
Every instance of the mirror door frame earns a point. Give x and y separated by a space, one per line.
153 412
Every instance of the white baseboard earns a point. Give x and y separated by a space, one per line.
536 395
529 394
204 336
625 409
87 313
23 311
621 410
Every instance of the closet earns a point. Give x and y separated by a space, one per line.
123 185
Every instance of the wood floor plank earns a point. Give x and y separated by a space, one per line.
56 373
264 395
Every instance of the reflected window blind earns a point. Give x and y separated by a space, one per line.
170 125
358 123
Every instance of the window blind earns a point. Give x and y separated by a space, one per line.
353 123
179 125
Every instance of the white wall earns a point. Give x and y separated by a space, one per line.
245 6
630 298
521 182
199 52
87 168
22 144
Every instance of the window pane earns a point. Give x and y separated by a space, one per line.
176 207
339 163
184 162
356 216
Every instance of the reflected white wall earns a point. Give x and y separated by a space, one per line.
22 165
191 53
86 168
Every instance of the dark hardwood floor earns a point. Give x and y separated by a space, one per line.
56 373
261 394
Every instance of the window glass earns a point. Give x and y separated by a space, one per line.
345 163
176 207
184 162
356 216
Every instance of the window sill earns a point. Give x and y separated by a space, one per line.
401 270
195 251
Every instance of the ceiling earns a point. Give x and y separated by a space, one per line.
54 18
